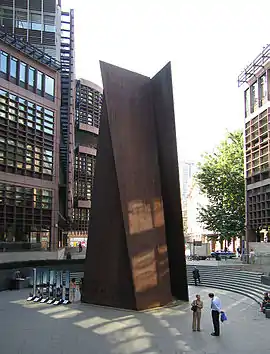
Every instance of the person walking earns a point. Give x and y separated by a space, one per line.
238 251
80 247
196 307
196 276
252 256
215 309
73 288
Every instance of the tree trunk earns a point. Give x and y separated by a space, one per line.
213 245
234 239
221 243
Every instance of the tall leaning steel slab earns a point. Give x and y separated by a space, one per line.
162 93
131 261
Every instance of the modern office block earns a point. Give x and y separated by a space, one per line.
37 22
39 29
256 78
88 110
50 34
135 255
68 96
29 144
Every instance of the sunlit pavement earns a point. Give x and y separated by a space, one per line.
32 328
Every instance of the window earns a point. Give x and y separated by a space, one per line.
49 24
13 67
36 22
48 116
39 81
49 85
21 19
48 152
247 102
254 96
31 76
262 89
48 131
22 72
48 125
47 171
3 62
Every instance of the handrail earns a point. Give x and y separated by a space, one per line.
30 50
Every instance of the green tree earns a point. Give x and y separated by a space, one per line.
221 178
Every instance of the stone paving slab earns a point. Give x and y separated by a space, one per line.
30 328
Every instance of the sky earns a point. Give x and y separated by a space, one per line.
209 43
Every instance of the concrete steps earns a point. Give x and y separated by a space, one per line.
231 279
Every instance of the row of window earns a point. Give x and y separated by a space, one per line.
81 214
24 112
26 137
84 176
26 76
15 154
25 197
256 95
88 105
34 22
82 190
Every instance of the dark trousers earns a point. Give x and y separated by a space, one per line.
215 318
196 280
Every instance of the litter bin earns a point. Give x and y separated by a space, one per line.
267 313
218 258
16 281
267 310
19 283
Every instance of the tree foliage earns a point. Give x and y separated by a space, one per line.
221 178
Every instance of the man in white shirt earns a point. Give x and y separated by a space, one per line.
215 309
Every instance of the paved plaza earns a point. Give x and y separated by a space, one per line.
32 328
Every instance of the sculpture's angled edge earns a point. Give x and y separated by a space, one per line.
135 254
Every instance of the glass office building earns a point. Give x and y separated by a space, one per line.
256 82
29 155
36 21
88 112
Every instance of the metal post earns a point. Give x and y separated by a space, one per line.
246 248
34 281
29 25
13 17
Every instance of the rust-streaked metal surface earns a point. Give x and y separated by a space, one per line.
127 261
168 163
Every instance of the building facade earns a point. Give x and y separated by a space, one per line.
30 99
256 78
39 28
67 136
88 112
186 171
195 200
36 21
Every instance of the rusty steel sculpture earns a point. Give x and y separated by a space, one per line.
135 255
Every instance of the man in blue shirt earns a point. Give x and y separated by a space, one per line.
215 309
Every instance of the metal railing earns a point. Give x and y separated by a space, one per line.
30 50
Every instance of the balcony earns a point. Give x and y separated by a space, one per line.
84 204
87 150
88 128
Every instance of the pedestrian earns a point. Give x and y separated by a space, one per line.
68 255
81 286
252 256
80 247
73 288
238 251
196 307
215 309
196 276
266 300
